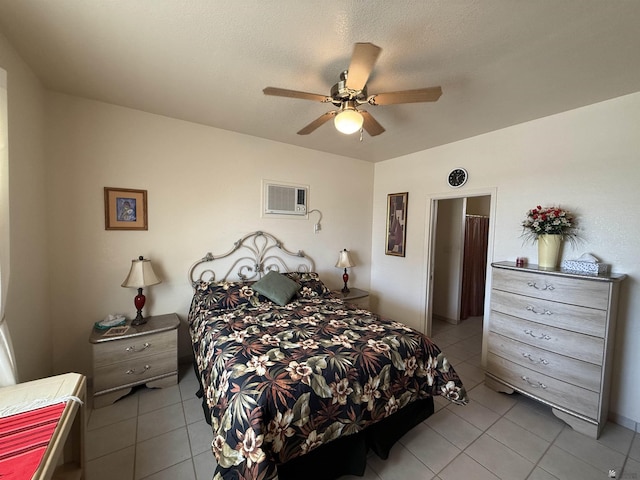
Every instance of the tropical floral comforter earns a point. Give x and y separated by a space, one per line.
281 381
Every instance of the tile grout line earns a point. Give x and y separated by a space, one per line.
551 444
186 424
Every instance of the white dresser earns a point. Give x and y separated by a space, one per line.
551 336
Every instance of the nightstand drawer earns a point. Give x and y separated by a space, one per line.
134 371
582 374
555 288
132 348
570 317
580 400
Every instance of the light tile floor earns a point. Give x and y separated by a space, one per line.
161 434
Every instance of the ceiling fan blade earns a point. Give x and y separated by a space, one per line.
363 60
370 124
317 122
283 92
430 94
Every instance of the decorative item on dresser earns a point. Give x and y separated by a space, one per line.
344 261
134 355
140 275
551 337
549 226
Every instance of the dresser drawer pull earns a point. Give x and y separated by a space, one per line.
543 336
134 349
532 360
547 286
534 385
132 371
531 308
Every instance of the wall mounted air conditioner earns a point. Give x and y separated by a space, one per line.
282 199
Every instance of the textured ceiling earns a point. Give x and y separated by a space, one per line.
499 62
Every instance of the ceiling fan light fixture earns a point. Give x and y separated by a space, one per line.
348 121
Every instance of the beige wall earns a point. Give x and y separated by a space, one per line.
587 160
27 308
204 192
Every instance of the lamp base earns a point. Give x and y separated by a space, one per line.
139 320
139 302
345 279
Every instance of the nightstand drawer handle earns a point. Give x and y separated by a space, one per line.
534 385
531 308
532 360
134 349
132 371
543 336
547 286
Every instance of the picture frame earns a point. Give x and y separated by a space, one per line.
397 204
125 209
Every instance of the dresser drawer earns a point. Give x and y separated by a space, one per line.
576 399
589 321
575 291
583 347
134 371
566 369
132 348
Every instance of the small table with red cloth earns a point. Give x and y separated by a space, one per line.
42 428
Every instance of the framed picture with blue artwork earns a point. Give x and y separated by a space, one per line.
125 209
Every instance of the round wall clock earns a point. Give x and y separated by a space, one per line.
457 177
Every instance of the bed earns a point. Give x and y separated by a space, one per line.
294 381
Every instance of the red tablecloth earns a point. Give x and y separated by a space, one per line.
23 440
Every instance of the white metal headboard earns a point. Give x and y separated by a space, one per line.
250 258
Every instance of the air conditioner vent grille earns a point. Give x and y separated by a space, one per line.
285 199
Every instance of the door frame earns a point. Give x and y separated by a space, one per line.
430 238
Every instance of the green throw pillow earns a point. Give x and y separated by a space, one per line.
276 287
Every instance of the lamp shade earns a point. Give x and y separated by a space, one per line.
348 121
141 274
344 261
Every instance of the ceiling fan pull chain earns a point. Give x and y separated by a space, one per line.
361 134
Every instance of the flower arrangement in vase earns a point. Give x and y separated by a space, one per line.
549 226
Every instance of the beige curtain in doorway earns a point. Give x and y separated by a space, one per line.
474 266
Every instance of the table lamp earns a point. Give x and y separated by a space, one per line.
344 261
141 275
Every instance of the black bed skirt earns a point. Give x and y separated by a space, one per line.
348 455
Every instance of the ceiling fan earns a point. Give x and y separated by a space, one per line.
351 92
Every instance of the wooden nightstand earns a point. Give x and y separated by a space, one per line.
144 354
356 297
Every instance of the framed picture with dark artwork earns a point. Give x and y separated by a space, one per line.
125 209
396 223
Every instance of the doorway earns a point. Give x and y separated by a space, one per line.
451 216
